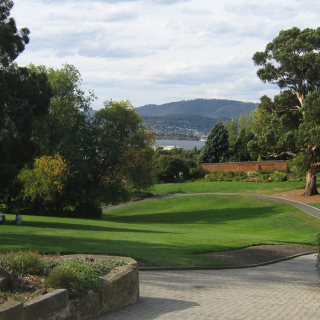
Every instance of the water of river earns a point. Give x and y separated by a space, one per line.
185 144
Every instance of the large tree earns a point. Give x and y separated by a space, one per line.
291 61
25 95
216 148
12 40
124 145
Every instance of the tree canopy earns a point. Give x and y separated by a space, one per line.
25 95
12 40
216 148
288 125
292 61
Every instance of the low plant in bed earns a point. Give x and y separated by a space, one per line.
30 274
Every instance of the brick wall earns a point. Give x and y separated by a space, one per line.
245 166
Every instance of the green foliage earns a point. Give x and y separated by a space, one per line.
226 176
168 163
23 262
76 277
24 97
278 176
216 148
87 209
66 279
194 172
240 149
99 266
47 179
12 40
289 126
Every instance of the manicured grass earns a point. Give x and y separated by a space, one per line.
262 188
168 232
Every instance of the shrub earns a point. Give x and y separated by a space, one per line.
230 174
24 262
253 174
211 176
100 266
193 172
74 276
67 279
278 176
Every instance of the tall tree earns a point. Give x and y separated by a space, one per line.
25 95
216 148
12 40
125 145
291 61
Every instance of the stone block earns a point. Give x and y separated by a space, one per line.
41 306
11 310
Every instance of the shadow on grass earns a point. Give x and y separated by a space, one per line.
72 226
210 216
156 254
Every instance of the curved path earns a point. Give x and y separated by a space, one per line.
287 290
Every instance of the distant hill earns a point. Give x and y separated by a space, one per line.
214 108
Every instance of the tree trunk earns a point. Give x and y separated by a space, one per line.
311 179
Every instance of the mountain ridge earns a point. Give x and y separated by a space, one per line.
214 108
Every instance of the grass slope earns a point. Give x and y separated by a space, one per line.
168 232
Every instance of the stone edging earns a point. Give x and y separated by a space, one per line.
119 288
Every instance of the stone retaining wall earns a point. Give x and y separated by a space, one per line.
245 166
119 288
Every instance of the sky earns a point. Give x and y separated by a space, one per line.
159 51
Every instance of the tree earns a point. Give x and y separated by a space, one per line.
232 127
292 61
241 152
46 179
12 40
216 148
24 96
124 146
287 125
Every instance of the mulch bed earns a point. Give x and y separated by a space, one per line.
260 254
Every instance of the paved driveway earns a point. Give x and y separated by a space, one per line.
287 290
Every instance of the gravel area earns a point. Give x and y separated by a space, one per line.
297 195
260 254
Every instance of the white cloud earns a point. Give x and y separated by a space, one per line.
156 51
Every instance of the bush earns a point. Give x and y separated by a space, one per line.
278 176
253 174
67 279
74 276
99 266
230 174
24 262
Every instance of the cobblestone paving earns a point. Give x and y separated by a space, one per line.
287 290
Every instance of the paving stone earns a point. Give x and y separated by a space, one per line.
285 290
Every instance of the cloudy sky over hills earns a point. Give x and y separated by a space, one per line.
158 51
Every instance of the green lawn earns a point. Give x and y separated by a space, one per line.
168 232
265 188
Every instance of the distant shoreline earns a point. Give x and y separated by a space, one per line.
185 144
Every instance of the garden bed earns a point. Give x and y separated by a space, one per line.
119 287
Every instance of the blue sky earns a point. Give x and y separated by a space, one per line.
158 51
